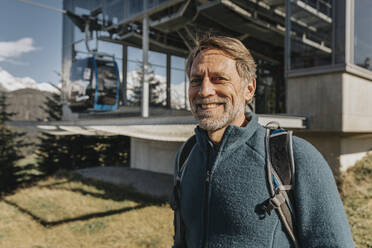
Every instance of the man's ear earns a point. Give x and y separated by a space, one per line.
250 90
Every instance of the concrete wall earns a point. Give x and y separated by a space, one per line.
357 104
339 111
354 148
339 149
156 156
319 98
332 102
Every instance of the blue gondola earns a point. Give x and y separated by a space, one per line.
94 84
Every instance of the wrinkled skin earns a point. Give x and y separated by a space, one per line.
217 93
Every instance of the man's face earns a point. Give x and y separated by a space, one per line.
217 94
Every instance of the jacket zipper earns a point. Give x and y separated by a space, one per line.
207 179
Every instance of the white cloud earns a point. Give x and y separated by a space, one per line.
8 82
13 49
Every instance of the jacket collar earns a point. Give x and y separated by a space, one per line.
233 137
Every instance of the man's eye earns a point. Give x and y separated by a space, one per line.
195 81
218 79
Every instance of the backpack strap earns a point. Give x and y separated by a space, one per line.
179 227
280 170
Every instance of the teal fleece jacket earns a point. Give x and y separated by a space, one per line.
227 215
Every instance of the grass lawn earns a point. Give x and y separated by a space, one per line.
66 211
356 193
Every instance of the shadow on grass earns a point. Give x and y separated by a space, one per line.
110 191
25 176
49 224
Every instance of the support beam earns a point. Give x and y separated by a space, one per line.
287 50
67 47
287 46
124 75
145 53
168 80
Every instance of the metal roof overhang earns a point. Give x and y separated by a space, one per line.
135 38
260 25
170 129
233 17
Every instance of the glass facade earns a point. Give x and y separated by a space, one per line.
311 33
113 11
156 77
270 94
118 11
363 33
179 84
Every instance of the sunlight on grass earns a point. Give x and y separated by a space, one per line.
356 192
62 213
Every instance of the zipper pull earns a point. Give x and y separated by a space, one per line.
208 176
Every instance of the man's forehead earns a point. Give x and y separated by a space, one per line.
212 57
212 52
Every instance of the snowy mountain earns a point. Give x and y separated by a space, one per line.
10 83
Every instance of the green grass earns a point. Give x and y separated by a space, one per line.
356 193
67 211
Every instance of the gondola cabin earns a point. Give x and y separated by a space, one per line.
94 84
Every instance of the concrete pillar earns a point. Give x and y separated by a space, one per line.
124 75
67 46
338 107
168 80
145 52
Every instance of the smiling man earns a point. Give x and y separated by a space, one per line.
217 92
223 183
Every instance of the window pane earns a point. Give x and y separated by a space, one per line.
270 88
113 11
179 84
363 34
311 33
156 77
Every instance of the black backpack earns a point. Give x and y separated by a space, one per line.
280 170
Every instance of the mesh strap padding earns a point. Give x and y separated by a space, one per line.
280 173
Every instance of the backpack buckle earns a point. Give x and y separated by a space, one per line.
273 203
267 207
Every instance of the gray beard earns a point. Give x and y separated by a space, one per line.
231 113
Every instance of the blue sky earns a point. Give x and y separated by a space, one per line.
31 38
31 43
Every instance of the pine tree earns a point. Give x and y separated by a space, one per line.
10 143
53 107
113 150
71 152
157 92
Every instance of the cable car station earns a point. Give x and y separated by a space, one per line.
313 71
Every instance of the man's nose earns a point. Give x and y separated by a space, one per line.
206 88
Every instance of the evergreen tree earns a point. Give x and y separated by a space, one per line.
157 92
66 152
53 107
113 150
71 152
10 143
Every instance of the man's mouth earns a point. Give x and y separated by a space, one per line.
209 106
